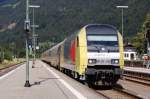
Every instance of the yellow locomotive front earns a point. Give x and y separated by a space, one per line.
104 54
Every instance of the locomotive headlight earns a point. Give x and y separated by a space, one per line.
115 61
91 61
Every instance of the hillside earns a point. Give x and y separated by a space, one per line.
59 18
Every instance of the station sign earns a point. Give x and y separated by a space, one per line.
37 47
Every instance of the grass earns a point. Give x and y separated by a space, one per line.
7 63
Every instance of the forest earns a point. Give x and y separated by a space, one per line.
58 19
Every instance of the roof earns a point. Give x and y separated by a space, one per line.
100 29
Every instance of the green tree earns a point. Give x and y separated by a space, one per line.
8 55
138 40
146 24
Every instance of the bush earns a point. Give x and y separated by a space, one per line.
8 55
1 60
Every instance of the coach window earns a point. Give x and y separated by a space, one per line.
77 41
49 53
125 55
132 56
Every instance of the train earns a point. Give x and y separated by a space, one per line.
94 54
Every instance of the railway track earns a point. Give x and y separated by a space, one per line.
137 79
116 92
9 68
119 93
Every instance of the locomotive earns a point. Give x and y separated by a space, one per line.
93 54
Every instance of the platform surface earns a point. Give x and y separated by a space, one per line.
46 83
137 69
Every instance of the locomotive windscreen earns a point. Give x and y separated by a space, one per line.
104 36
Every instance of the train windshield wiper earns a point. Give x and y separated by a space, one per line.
95 46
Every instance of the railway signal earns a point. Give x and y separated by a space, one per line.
27 26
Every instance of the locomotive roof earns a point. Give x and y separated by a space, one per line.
100 29
55 46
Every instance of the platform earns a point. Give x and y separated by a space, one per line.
137 69
46 83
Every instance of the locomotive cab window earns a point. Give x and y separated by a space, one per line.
77 41
102 43
107 40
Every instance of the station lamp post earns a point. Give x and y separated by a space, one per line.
33 31
27 30
122 8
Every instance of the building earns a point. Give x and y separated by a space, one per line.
130 52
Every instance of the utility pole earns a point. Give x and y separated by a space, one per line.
33 41
122 23
27 29
33 33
